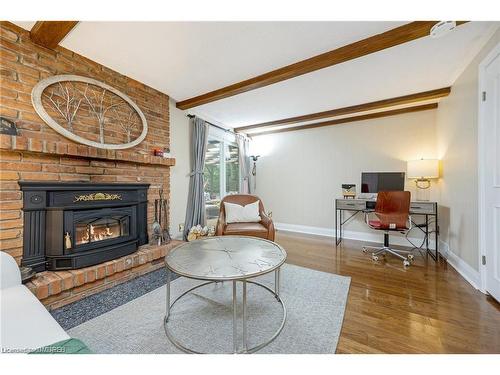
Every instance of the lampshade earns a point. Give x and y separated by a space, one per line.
423 168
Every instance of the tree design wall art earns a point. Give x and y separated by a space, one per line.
90 112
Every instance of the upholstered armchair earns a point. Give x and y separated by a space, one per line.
262 229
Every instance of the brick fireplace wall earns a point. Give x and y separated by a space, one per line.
39 153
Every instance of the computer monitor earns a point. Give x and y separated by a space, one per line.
373 182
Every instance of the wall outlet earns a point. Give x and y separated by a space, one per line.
181 227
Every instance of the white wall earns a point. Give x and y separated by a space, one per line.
457 124
304 170
179 174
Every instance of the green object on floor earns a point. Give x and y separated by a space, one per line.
70 346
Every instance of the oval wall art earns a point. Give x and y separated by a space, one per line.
90 112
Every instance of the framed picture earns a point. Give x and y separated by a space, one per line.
349 190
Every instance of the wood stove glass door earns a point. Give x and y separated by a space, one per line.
101 229
92 228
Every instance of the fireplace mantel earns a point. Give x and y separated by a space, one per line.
20 143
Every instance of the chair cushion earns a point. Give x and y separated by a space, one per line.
376 224
246 229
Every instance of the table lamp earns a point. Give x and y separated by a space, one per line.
422 171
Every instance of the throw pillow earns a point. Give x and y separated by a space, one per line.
242 214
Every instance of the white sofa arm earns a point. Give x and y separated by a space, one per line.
10 275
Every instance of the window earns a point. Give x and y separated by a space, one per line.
222 172
232 169
212 178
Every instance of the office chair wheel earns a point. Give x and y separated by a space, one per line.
406 263
411 257
365 250
374 258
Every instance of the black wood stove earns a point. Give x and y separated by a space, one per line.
74 225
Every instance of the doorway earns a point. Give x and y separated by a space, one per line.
489 172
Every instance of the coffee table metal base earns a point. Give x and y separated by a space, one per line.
236 348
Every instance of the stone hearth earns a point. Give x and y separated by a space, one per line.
58 288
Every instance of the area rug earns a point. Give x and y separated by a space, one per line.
315 303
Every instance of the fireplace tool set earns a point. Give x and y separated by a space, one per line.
161 234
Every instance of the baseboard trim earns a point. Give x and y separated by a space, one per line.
348 234
471 275
318 231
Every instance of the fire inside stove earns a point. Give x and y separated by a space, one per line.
101 229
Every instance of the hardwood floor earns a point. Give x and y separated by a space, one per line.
427 308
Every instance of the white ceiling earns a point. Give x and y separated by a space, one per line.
185 59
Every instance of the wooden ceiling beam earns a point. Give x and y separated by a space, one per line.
50 33
399 35
379 104
369 116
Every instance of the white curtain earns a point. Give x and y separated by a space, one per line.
244 161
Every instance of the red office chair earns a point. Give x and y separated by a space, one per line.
393 214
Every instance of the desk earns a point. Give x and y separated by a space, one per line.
355 206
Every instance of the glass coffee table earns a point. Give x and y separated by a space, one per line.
232 259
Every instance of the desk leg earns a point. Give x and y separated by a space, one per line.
427 232
340 226
337 241
436 234
434 253
335 220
